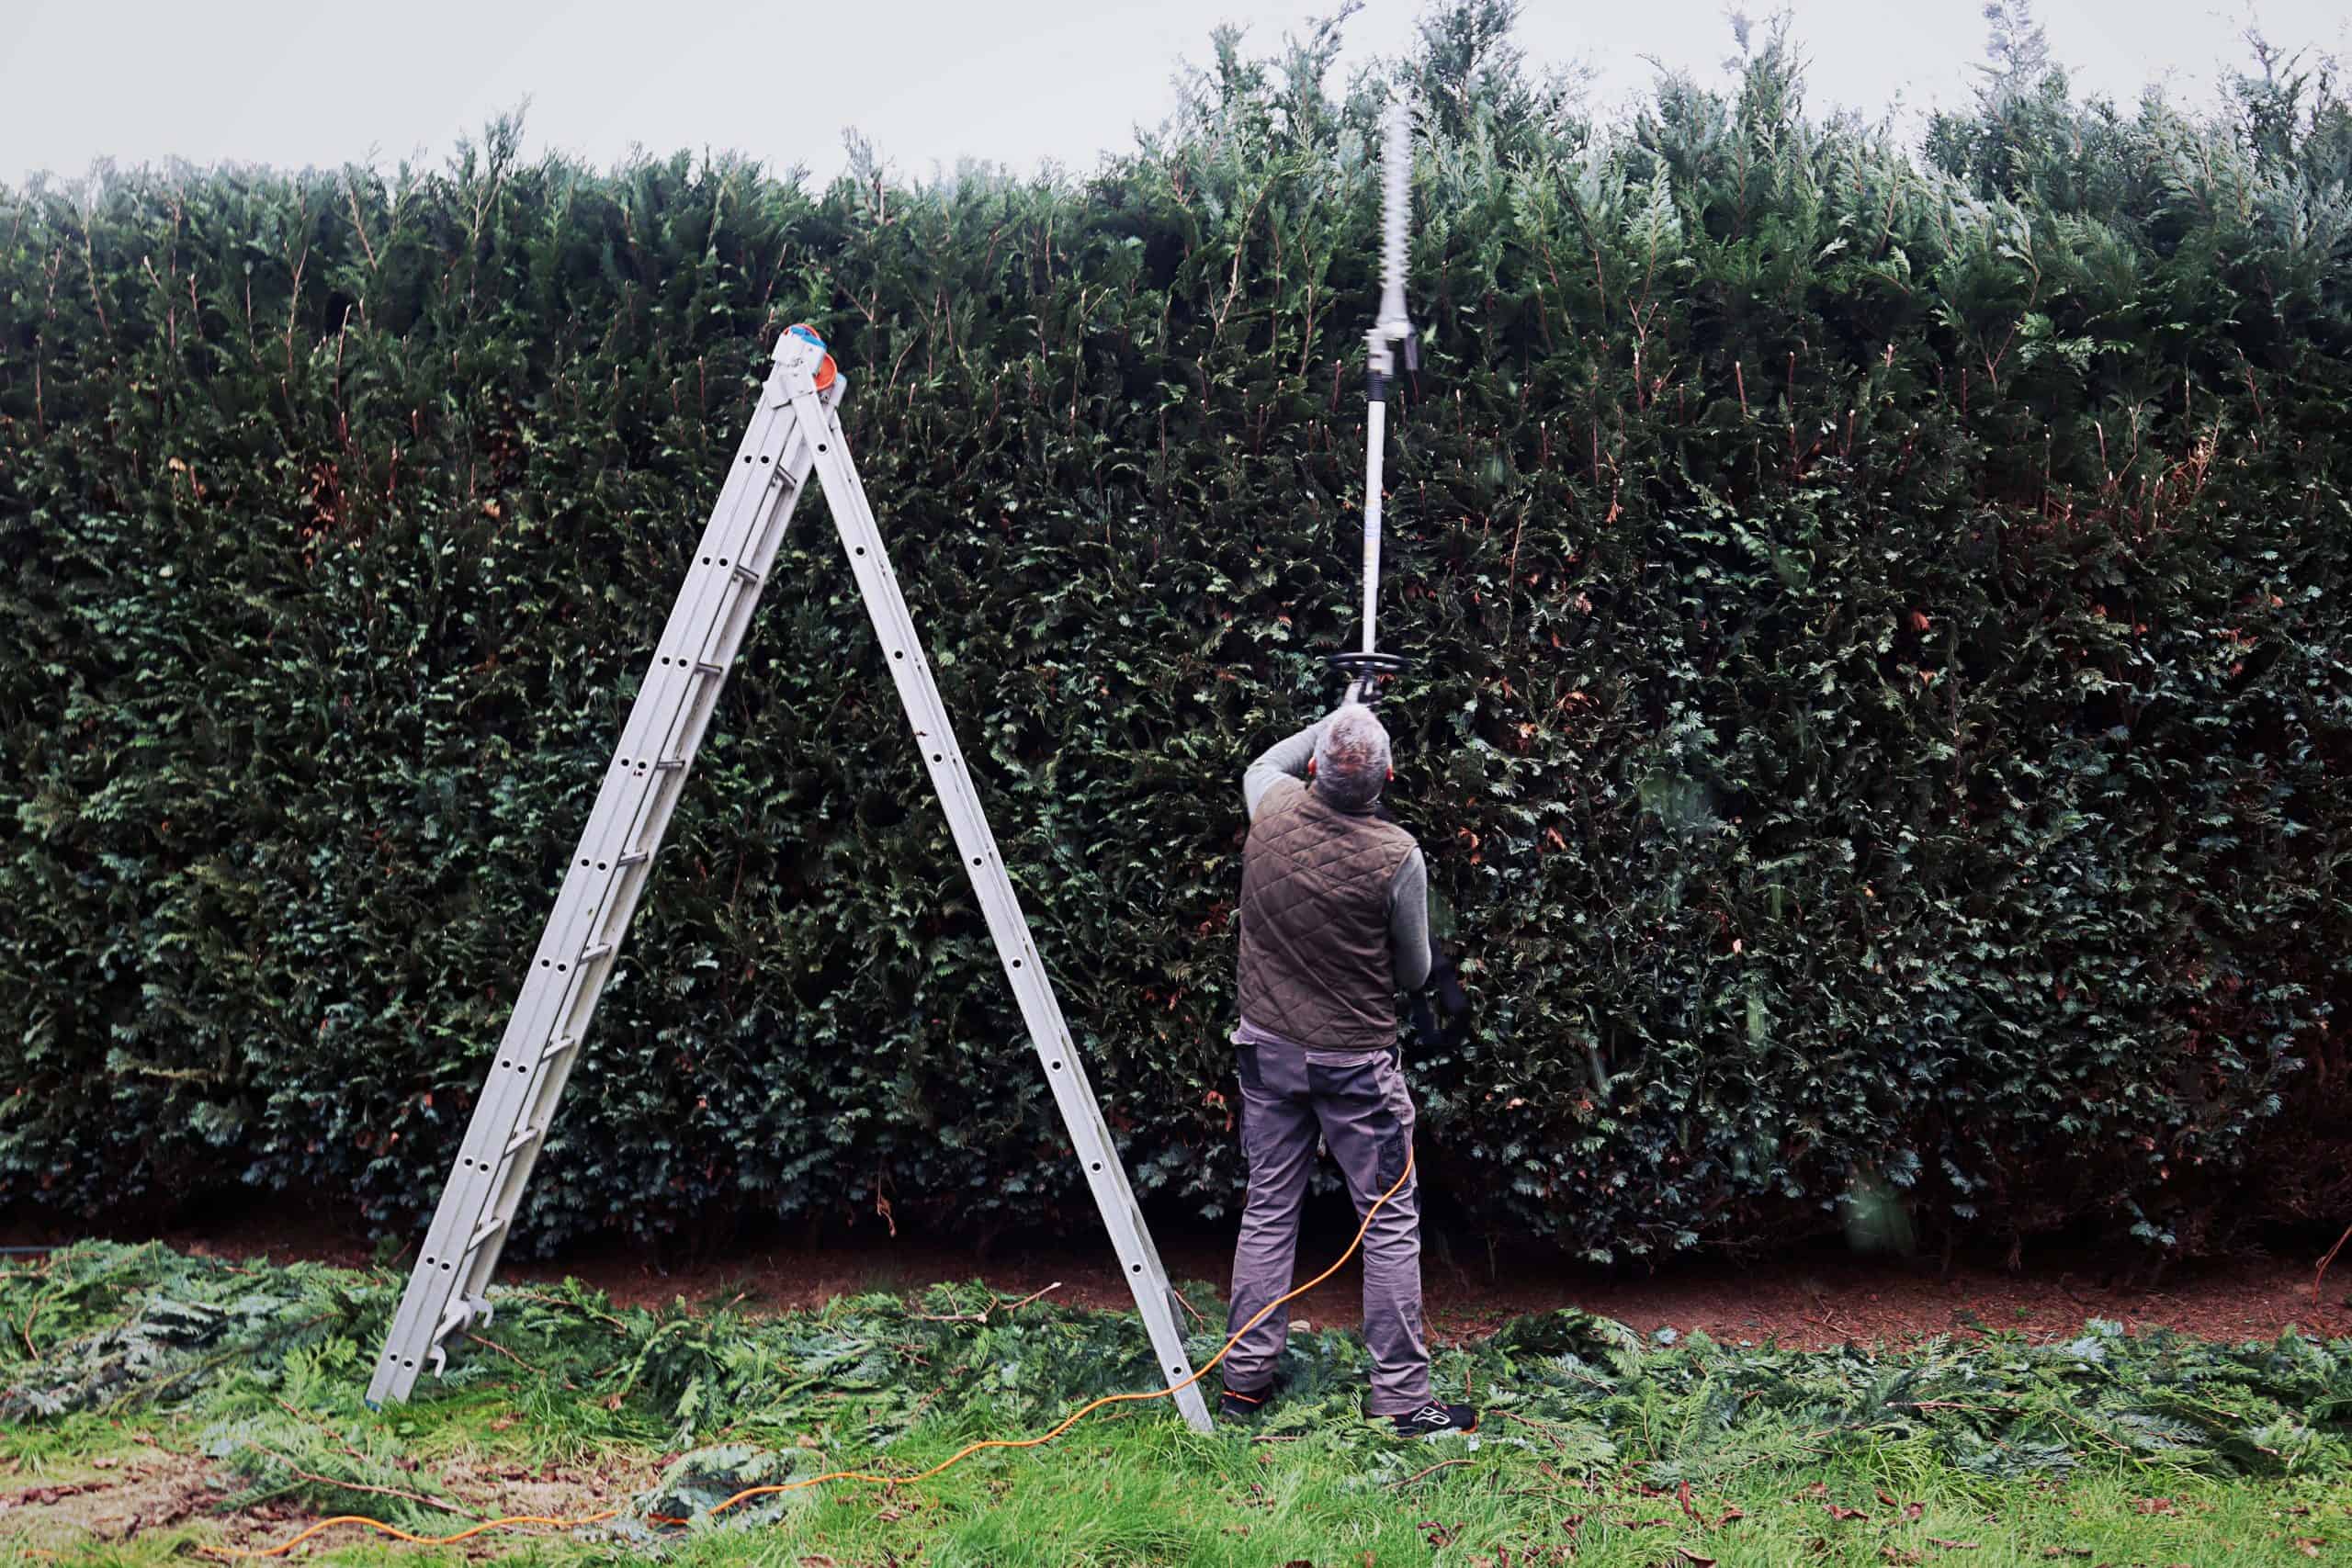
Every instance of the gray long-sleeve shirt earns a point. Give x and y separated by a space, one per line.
1283 766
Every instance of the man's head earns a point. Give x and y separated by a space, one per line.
1352 758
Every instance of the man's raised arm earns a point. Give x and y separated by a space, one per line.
1409 949
1283 759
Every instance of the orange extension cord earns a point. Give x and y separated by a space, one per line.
958 1457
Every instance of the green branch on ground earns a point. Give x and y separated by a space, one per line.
1959 1438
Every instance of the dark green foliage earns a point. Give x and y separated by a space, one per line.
1880 712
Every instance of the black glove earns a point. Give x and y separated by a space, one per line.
1443 989
1425 1032
1446 981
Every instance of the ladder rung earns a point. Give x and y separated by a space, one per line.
668 765
746 573
708 667
482 1233
521 1140
635 857
591 954
557 1046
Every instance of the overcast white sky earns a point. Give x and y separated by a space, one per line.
295 81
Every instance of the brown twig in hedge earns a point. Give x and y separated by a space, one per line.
362 1485
984 1312
1033 1295
1551 1436
2324 1262
347 1449
493 1345
618 1326
1431 1471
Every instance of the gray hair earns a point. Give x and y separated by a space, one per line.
1351 757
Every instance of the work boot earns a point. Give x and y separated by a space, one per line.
1434 1420
1246 1404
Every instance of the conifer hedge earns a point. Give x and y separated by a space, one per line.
1880 716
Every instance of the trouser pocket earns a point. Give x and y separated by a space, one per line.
1357 1103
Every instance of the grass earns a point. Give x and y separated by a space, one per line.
210 1406
1144 1490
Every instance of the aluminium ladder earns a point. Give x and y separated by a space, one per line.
796 430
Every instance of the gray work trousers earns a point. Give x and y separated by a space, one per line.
1357 1103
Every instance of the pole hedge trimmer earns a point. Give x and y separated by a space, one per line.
1365 666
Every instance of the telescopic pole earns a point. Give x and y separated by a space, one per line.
1393 328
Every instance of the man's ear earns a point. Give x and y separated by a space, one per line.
1310 767
1391 775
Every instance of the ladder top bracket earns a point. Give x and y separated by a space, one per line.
801 349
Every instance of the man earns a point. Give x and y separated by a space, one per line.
1334 923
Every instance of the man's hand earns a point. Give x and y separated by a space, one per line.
1425 1033
1446 981
1444 989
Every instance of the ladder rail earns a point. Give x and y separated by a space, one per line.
757 551
1008 926
795 434
628 804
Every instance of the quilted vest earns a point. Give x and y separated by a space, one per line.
1314 956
